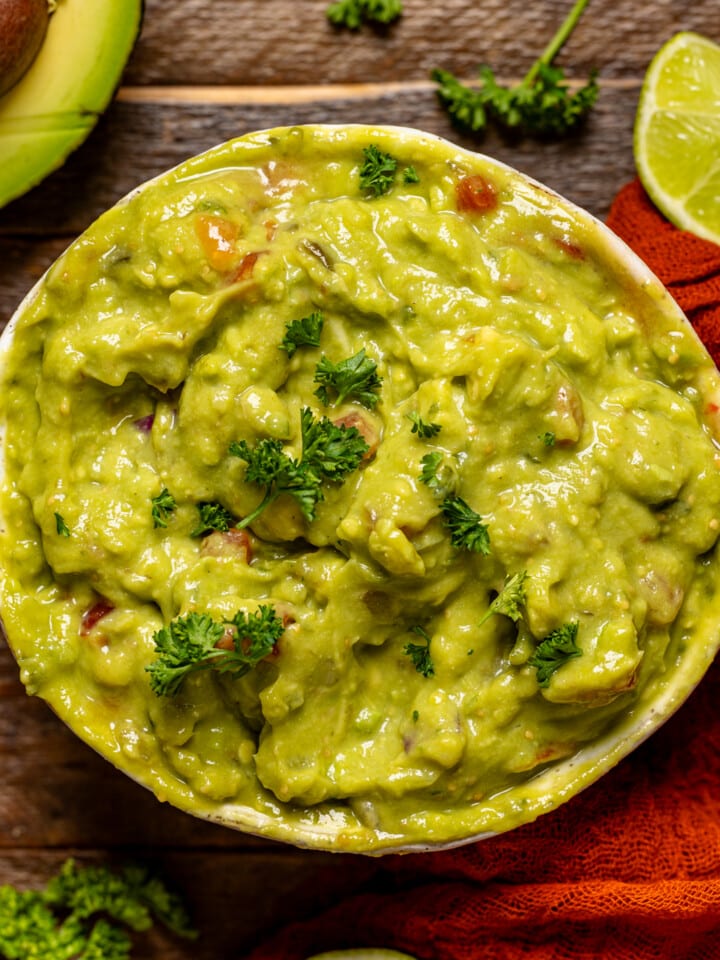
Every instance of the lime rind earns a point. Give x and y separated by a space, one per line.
677 133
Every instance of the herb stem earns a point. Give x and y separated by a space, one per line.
557 42
270 497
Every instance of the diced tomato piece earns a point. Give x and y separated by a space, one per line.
94 614
247 265
218 238
475 194
234 544
364 427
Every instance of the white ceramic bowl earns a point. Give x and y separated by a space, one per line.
101 703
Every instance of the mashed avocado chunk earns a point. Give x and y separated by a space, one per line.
346 516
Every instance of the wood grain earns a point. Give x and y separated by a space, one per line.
204 71
291 42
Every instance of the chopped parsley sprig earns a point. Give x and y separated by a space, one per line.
419 653
377 173
510 600
553 651
191 643
329 453
352 13
163 506
212 516
466 527
540 104
304 332
355 378
425 429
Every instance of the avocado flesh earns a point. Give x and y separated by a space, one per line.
72 80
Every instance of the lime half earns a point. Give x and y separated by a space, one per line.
677 133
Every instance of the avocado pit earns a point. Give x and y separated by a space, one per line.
23 24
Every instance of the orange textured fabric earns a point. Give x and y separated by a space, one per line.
627 870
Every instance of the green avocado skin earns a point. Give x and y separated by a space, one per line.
52 108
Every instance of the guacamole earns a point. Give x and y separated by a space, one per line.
415 465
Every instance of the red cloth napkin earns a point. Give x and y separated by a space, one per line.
627 870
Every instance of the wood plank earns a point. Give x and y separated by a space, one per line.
291 42
138 139
235 899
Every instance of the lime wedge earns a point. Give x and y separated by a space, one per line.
677 133
362 954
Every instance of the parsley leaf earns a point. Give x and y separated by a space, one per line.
377 174
351 13
466 527
540 104
429 474
548 438
81 911
302 333
190 643
424 429
212 516
553 651
419 653
410 175
329 452
62 528
354 378
510 599
162 506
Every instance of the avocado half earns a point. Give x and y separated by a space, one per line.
53 108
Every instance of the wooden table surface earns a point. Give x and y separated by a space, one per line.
204 71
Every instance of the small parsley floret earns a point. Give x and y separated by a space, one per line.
304 332
466 527
425 429
163 506
419 653
329 453
510 600
540 104
377 173
351 13
554 651
212 516
355 378
190 643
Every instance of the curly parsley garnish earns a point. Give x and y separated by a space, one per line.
466 527
61 527
351 13
355 378
377 173
510 600
540 104
190 643
329 453
553 651
419 653
86 912
162 506
212 516
302 333
425 429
